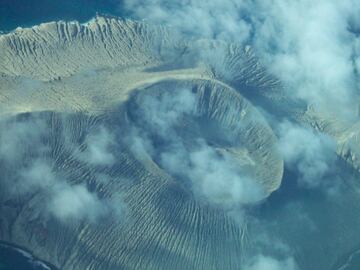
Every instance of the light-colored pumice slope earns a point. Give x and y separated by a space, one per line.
76 78
90 72
71 67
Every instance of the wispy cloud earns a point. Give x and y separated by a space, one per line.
210 19
16 135
310 154
69 203
98 148
262 262
29 168
213 175
309 45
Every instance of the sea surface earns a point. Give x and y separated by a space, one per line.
25 13
15 258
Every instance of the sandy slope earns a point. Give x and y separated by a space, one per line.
90 71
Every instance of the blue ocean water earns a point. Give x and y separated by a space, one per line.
15 258
14 13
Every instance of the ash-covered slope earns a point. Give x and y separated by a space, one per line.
60 49
165 224
108 59
84 78
72 82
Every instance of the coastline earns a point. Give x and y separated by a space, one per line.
84 23
19 13
26 254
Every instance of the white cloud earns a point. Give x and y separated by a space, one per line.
98 148
311 154
213 175
36 176
75 203
29 168
262 262
18 135
218 18
307 44
66 202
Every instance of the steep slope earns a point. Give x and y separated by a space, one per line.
86 75
72 80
